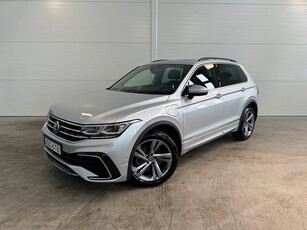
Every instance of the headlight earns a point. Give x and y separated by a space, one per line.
106 130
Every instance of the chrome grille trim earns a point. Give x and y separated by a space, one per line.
72 135
68 130
52 122
67 122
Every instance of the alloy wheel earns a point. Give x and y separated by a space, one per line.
152 159
248 123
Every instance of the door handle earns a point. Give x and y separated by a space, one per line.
218 96
243 89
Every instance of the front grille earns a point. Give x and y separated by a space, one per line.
67 130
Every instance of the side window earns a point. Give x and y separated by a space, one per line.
205 75
242 74
143 78
228 74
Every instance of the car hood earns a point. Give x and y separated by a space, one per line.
106 106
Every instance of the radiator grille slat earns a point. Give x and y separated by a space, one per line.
68 130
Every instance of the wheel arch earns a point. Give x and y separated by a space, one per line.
253 104
237 134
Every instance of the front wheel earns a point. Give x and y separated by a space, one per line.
154 159
247 125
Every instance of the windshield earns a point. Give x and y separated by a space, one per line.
153 79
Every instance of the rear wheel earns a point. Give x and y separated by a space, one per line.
154 159
247 125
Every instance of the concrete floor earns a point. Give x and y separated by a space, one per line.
257 184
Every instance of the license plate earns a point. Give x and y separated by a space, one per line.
53 146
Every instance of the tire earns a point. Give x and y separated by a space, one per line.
247 125
153 159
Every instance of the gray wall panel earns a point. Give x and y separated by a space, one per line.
242 2
282 98
69 61
268 37
218 23
35 97
50 50
264 62
74 21
69 46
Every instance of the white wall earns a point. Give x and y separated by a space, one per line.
269 39
50 50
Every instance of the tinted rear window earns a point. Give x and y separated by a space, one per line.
228 74
242 74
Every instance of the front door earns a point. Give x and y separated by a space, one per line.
202 114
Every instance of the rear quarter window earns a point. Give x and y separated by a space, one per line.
242 74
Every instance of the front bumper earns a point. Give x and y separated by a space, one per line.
94 160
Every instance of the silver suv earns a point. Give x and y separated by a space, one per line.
137 128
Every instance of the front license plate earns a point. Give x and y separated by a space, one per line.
53 146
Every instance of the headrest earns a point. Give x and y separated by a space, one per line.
174 75
225 75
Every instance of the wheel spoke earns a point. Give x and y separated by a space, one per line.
250 117
154 174
143 169
167 157
152 146
157 167
140 156
140 150
135 169
155 144
250 126
246 130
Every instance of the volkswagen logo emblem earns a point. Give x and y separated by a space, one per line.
56 127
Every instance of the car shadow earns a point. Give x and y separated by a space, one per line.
205 149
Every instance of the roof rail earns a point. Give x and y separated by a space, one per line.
159 60
216 58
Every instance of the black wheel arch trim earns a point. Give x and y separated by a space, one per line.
248 103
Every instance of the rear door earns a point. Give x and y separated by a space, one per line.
233 95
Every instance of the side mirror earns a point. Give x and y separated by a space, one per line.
197 90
